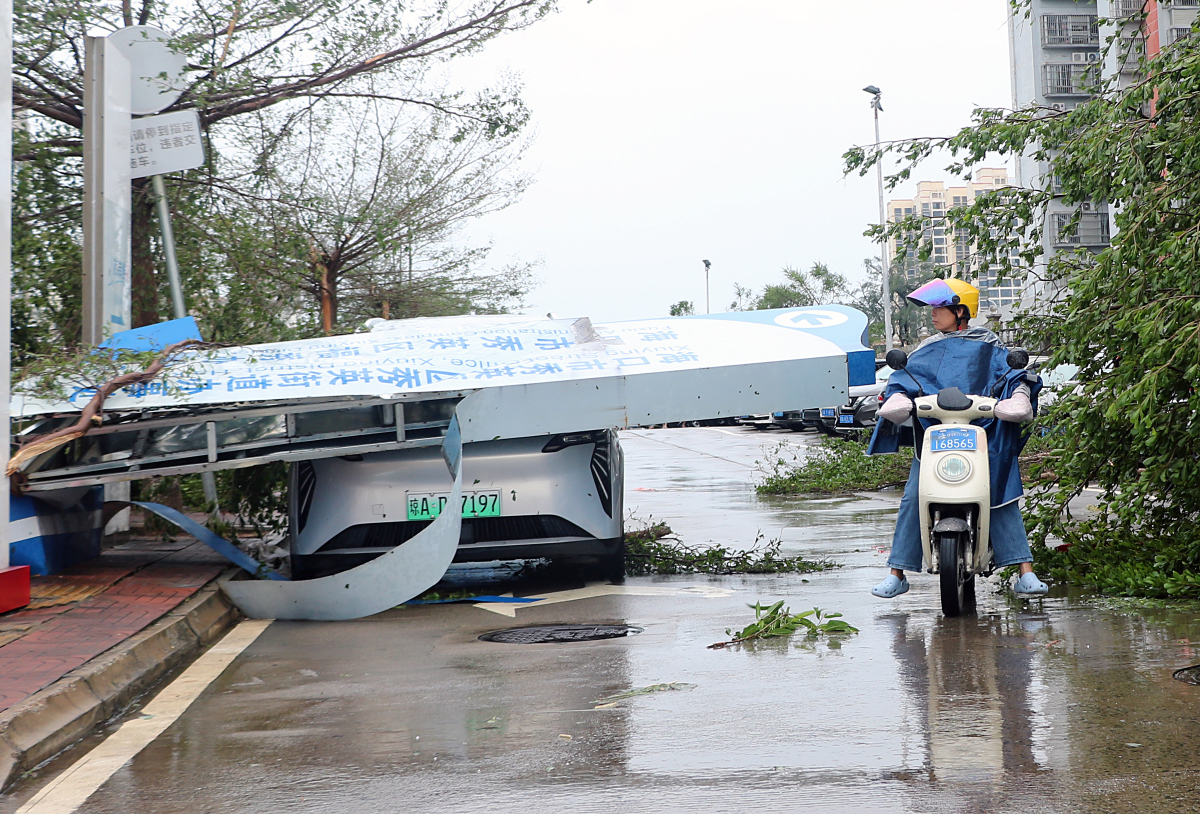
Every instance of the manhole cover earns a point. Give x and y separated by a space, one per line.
1188 675
554 634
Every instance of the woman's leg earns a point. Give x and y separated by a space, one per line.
907 552
1010 546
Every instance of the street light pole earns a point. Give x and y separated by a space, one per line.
707 308
876 106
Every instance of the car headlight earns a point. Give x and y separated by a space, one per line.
953 468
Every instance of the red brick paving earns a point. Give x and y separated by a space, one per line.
146 581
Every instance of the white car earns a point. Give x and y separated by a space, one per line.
558 497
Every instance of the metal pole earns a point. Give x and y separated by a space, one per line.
883 264
178 309
707 305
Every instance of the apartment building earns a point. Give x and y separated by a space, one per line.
1057 55
951 249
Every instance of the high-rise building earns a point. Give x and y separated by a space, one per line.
1057 55
951 250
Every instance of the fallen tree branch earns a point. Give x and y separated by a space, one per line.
91 415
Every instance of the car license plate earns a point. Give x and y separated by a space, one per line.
941 440
845 419
828 412
428 505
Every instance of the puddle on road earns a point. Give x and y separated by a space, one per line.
677 484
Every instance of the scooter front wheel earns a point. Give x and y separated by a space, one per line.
957 581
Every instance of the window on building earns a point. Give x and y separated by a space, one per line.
1070 29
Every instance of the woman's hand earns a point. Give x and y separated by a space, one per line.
1016 408
896 409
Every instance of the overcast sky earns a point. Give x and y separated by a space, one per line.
667 132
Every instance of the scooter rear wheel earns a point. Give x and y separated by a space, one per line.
957 582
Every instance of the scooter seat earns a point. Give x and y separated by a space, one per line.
951 398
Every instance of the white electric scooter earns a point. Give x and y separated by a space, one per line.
955 495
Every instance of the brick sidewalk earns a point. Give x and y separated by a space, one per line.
77 615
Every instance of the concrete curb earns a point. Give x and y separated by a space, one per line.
69 709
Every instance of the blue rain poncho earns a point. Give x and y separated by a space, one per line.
976 362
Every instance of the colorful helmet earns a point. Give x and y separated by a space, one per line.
947 292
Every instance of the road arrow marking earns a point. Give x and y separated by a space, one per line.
606 589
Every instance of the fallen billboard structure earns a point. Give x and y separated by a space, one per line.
437 381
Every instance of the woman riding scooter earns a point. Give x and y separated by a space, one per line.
974 360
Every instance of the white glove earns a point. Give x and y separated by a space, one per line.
1016 408
896 409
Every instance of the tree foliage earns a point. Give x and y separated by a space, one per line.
246 57
819 285
1128 315
290 193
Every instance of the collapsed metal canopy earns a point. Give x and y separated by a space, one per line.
443 381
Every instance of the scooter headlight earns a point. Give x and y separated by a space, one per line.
953 468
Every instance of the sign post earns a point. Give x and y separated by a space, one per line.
107 196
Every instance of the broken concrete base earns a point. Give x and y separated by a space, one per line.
68 710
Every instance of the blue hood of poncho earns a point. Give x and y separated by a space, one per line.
977 364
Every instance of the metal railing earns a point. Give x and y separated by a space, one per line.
1069 79
1090 230
1126 8
1070 29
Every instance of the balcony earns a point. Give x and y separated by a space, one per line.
1091 230
1069 79
1070 29
1174 35
1127 8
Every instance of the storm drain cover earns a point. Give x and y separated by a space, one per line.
555 634
1188 675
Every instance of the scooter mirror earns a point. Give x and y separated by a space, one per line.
1018 358
896 359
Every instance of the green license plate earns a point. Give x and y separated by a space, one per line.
426 506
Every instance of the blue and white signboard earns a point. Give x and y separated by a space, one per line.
466 353
844 326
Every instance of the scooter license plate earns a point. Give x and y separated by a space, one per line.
942 440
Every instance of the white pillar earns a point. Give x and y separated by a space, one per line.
107 208
107 196
6 51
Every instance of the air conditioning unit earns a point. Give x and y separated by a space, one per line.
1058 106
1085 206
1079 56
1093 56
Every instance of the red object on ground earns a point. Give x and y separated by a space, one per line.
14 587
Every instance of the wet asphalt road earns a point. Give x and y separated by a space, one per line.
1060 705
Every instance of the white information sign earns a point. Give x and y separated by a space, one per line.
166 143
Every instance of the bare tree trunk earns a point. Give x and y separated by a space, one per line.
327 285
143 275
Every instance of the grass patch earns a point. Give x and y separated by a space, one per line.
1121 563
654 549
833 467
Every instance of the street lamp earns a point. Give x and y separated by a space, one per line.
707 309
876 106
